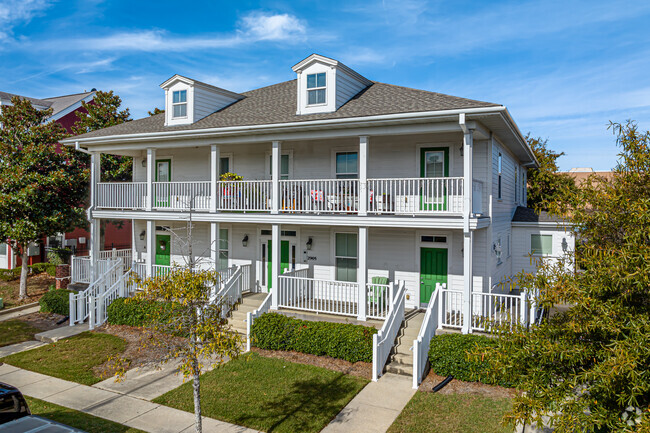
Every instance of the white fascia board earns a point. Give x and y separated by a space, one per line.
304 125
517 133
72 107
176 78
314 58
549 224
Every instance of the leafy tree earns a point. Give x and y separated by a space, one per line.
102 112
42 190
588 367
155 111
545 184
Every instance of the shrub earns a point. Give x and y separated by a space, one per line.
132 311
352 343
56 301
50 268
9 274
59 256
449 356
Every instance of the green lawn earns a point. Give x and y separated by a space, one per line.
72 358
269 394
455 413
16 331
74 418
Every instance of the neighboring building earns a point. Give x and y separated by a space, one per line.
64 111
345 180
581 174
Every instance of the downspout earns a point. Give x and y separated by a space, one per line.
80 149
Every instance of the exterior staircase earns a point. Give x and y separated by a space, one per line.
250 302
401 360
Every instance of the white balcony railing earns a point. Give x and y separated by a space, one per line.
315 196
245 195
121 195
183 196
378 300
415 196
321 296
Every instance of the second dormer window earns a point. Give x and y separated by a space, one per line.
179 103
316 88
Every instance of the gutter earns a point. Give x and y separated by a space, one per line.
80 149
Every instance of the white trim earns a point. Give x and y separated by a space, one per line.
342 149
72 107
418 259
267 169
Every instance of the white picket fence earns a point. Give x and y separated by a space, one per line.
80 302
430 323
384 340
319 296
264 307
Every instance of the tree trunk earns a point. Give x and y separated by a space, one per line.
23 275
197 395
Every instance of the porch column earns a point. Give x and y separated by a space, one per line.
94 247
362 272
151 247
468 281
214 242
275 177
151 176
214 176
276 261
95 176
363 175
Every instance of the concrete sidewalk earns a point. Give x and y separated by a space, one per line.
375 408
124 409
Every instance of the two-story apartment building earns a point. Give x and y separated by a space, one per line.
344 180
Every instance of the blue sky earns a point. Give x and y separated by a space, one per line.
563 68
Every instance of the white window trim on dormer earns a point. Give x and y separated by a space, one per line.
316 88
169 102
180 103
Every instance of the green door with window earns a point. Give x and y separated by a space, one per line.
434 163
163 247
284 260
163 174
433 269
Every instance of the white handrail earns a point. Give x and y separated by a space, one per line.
412 196
182 196
451 308
377 300
81 270
244 195
500 310
80 303
321 296
384 340
99 304
319 195
421 344
264 307
121 195
230 293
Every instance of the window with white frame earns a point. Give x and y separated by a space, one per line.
346 256
498 250
284 166
541 245
499 166
316 88
179 103
224 165
223 248
347 165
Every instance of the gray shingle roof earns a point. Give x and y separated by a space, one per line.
60 103
4 96
277 104
528 215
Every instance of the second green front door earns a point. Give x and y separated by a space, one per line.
163 246
284 260
433 269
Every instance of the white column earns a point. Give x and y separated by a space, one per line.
468 145
363 175
134 249
95 176
93 251
214 176
151 176
276 261
151 246
275 176
362 272
467 281
214 241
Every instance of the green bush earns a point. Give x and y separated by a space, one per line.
449 356
352 343
37 268
132 311
56 301
9 274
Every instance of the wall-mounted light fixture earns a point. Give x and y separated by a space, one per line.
462 150
565 245
144 162
244 241
309 243
142 235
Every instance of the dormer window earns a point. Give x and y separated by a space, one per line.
179 103
316 86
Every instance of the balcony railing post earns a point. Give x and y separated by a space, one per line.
275 176
151 172
215 169
363 175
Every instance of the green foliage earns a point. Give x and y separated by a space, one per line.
134 311
449 355
155 111
545 184
103 112
588 366
10 274
38 268
56 301
352 343
230 177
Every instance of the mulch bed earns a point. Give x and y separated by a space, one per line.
360 369
460 387
37 285
43 321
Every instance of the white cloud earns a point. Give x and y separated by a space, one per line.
277 27
14 12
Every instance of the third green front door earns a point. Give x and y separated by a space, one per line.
163 245
433 269
284 260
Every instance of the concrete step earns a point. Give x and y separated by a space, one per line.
244 308
402 359
400 369
404 349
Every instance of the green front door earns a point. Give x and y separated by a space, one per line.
163 174
284 260
434 163
163 246
433 269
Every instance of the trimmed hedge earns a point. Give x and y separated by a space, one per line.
10 274
56 301
352 343
132 312
50 268
449 356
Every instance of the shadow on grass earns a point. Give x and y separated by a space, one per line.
309 407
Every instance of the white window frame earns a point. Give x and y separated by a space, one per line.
541 254
334 256
335 173
227 250
229 157
267 170
175 104
313 89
